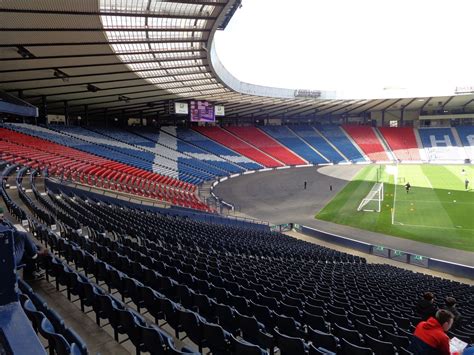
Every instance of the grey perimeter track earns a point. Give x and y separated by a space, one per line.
278 196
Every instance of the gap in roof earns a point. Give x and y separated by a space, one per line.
361 49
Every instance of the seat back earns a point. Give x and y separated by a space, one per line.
290 345
241 347
352 349
380 347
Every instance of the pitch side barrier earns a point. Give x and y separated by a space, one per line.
16 333
379 250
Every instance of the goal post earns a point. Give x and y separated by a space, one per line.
373 201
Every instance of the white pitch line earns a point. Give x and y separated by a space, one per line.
395 184
437 201
428 180
436 227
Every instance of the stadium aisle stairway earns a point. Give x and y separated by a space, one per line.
288 138
402 142
367 140
466 134
262 141
84 168
338 138
313 138
194 138
440 144
226 139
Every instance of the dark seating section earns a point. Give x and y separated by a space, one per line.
231 290
49 324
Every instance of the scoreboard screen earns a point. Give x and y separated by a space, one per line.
201 111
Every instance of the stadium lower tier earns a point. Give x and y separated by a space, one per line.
230 290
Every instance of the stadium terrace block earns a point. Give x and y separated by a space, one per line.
368 141
338 138
402 142
313 138
289 139
266 144
229 140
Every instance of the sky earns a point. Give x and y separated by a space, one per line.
359 48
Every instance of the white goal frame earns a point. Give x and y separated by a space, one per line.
375 194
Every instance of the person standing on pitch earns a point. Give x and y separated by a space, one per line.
407 187
466 184
304 185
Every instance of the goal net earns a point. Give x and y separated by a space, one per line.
373 201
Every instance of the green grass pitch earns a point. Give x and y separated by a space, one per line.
437 210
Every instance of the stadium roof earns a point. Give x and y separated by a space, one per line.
131 58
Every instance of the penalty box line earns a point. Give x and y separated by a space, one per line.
435 227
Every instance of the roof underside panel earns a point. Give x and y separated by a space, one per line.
133 56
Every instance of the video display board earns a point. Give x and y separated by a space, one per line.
201 111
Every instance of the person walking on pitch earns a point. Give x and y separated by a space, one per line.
407 187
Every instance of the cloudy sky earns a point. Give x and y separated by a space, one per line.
361 49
